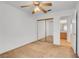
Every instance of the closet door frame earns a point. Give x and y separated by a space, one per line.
45 20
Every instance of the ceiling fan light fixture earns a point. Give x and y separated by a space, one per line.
39 7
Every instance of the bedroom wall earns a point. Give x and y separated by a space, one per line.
73 32
16 27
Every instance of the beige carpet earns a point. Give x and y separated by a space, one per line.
41 49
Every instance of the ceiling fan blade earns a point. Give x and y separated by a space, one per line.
22 6
45 4
42 9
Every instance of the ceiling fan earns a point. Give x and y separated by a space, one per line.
38 6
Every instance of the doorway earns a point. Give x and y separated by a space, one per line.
65 32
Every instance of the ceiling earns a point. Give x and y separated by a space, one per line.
57 5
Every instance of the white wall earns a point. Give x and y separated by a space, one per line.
56 31
16 28
69 22
73 33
